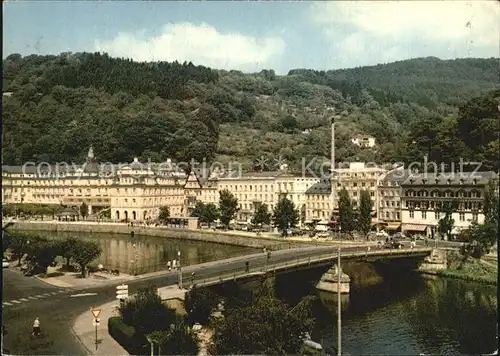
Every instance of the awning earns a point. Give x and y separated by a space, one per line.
414 227
393 226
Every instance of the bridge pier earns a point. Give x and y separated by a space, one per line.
435 262
329 281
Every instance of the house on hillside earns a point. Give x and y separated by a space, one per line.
364 141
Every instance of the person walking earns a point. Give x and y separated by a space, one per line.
36 327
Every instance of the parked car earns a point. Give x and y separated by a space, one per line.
323 234
400 236
393 244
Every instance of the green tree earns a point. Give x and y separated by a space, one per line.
446 223
365 212
19 243
84 210
85 252
42 253
261 216
180 339
346 212
206 213
211 213
199 304
267 326
146 312
199 210
480 238
228 207
285 216
491 202
164 214
67 248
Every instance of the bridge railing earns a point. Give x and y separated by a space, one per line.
274 266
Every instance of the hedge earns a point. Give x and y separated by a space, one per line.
467 277
125 335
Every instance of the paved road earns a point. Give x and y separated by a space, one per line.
57 312
16 285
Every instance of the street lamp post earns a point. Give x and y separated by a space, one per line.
339 273
180 269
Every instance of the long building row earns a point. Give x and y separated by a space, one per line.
402 200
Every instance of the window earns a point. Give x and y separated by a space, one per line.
372 194
424 214
398 216
462 217
474 217
436 215
412 214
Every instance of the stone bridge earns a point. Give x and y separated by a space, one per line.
321 259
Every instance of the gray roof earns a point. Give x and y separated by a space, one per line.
322 187
461 178
265 174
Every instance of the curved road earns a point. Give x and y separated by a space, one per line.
57 310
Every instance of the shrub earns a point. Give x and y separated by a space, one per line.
125 335
199 304
146 312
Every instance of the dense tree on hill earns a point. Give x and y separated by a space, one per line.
62 104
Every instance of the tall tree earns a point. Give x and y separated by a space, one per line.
261 216
266 326
67 248
85 252
365 212
210 214
84 210
228 207
446 223
199 304
164 213
199 210
285 216
347 214
491 202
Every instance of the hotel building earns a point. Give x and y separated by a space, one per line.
423 196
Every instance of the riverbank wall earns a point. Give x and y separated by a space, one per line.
220 237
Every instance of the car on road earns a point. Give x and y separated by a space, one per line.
393 244
5 263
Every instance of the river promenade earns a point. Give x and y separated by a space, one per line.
271 241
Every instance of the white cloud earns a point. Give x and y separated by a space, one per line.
391 30
203 45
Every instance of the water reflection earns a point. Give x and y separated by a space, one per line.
143 254
406 315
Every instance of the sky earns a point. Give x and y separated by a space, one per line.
251 36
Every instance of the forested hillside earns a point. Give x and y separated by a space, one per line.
54 107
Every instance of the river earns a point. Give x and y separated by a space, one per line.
411 314
143 254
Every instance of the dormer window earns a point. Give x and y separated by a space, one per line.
449 181
411 181
423 181
461 181
437 181
474 181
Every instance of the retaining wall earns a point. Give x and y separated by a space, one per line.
179 233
